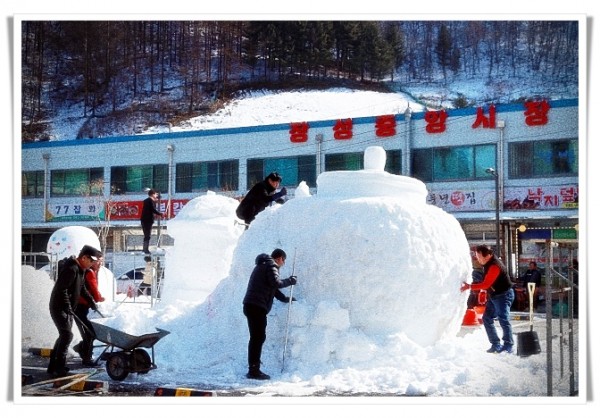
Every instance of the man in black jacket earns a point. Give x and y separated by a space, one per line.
63 300
532 275
259 197
263 286
147 217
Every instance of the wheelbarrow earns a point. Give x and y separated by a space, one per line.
125 353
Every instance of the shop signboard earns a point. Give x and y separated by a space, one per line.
74 211
515 198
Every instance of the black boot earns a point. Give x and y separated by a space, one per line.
57 370
255 373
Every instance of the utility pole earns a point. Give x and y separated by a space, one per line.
494 173
319 139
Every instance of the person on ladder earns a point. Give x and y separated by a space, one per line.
147 218
263 286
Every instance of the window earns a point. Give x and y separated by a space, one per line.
256 173
32 184
422 164
202 176
485 157
453 163
293 170
342 162
355 161
543 158
307 170
137 179
393 162
77 182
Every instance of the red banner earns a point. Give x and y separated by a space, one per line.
128 210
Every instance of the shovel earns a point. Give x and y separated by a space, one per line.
528 342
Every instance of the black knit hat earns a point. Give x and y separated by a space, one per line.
278 252
274 176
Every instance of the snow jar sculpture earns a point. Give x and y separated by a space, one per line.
399 261
375 264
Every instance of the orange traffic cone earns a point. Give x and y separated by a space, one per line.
470 318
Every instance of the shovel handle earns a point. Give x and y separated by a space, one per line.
531 288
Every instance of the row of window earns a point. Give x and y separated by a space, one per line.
526 160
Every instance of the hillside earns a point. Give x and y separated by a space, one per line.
267 106
128 77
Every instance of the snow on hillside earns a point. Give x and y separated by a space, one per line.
271 107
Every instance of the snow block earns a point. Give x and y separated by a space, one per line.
44 352
182 392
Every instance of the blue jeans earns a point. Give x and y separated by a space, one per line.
498 306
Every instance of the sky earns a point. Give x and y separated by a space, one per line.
443 367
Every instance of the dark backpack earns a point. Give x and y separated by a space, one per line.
59 266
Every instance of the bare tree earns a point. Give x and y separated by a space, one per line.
104 204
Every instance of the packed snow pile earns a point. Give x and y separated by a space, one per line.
38 329
205 231
375 273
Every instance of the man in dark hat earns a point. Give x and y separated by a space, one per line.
259 197
63 301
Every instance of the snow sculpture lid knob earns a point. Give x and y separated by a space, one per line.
375 158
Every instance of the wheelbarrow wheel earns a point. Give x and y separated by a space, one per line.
117 366
142 361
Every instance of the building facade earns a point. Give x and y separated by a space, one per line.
525 156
